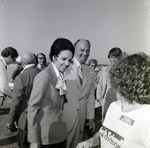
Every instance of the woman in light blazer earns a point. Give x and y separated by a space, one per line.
46 125
105 92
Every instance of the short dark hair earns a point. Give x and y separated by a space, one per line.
9 51
59 45
93 61
130 76
115 52
41 54
36 60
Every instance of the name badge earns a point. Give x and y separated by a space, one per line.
125 122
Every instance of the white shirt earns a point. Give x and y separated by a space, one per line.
126 129
3 79
56 70
77 62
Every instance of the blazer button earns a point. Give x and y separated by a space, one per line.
77 109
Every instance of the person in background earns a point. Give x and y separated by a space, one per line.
8 55
105 92
19 68
93 63
21 92
41 61
46 124
126 124
80 101
88 132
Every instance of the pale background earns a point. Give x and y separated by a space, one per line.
32 25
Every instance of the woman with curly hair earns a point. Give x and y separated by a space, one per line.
126 124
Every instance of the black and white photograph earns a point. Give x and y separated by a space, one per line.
74 73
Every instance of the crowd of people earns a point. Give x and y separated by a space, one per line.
51 103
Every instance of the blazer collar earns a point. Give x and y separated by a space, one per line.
52 74
2 59
85 73
27 66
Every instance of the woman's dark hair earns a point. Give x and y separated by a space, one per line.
93 61
36 60
59 45
115 52
9 51
41 54
130 76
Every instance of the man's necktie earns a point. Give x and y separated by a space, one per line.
80 73
61 85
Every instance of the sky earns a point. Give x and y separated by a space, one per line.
33 25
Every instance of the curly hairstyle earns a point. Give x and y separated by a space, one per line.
130 76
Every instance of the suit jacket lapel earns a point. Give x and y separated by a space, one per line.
52 75
72 74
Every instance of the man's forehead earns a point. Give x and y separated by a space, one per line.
83 44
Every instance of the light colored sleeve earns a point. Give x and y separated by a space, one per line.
99 86
4 86
102 84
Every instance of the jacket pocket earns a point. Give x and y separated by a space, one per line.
56 131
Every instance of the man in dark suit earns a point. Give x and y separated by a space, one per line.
22 89
80 103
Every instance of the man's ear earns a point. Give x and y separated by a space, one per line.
54 58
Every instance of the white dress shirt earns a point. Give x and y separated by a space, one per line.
56 70
77 62
4 86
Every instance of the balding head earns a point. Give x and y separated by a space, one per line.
82 50
28 58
